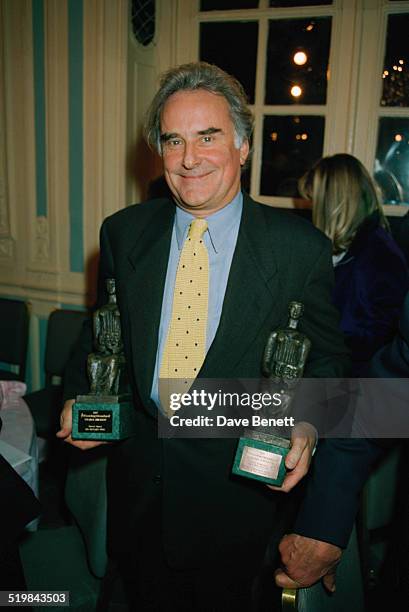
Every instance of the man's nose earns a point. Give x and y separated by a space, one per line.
191 158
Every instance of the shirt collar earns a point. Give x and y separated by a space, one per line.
219 223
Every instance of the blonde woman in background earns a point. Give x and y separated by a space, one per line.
371 275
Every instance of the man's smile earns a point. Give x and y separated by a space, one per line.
195 176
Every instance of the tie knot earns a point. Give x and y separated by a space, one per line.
197 229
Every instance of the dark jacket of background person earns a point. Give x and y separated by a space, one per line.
371 282
392 361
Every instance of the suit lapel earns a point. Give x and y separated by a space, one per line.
148 261
251 293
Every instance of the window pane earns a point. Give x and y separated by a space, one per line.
297 57
288 3
220 5
143 20
396 65
233 47
290 146
392 160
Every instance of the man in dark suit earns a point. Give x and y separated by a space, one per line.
180 525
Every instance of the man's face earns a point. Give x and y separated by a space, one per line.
200 159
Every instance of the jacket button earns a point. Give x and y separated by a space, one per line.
157 479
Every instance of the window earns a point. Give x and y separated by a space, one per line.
143 20
392 151
322 76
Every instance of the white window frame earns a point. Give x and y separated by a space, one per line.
369 110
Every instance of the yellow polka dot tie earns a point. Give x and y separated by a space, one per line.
185 347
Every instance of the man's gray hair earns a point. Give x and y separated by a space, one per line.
194 76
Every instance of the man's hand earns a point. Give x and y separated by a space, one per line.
66 429
305 561
303 440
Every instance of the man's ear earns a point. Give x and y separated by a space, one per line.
244 152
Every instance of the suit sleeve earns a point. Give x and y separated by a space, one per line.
75 376
337 475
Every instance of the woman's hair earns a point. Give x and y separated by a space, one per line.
194 76
343 196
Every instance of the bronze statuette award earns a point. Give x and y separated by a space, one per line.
262 450
105 413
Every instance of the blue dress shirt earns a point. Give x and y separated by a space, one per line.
220 239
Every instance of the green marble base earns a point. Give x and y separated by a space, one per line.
261 456
102 418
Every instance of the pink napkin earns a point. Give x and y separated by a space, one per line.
10 392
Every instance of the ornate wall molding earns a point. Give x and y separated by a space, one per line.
6 249
33 290
42 240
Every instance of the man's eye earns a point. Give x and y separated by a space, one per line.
172 143
207 138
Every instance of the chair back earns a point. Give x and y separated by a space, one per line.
63 330
14 324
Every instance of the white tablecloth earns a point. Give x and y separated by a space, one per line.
18 440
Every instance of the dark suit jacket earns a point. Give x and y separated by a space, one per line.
18 505
205 512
